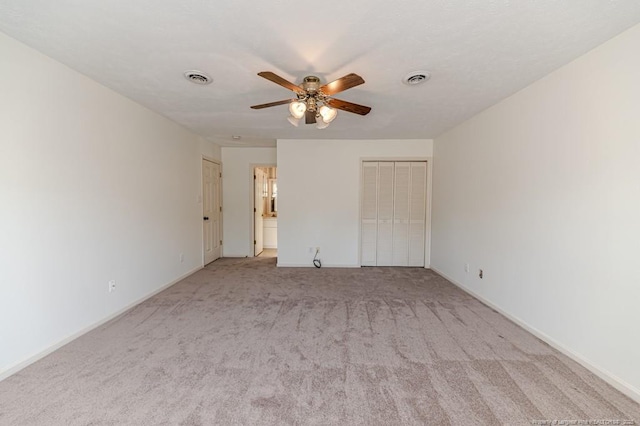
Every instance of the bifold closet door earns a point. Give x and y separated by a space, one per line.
384 243
393 213
417 213
402 178
369 209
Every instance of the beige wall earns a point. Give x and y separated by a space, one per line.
319 195
542 191
237 196
93 187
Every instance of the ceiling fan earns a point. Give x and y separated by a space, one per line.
314 101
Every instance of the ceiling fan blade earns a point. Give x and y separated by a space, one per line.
341 84
348 106
281 81
309 117
270 104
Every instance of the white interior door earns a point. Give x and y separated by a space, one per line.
211 210
258 207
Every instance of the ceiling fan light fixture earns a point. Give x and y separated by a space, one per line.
297 109
295 121
328 114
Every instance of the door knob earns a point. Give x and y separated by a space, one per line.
206 218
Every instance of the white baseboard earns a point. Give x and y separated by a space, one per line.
30 360
310 265
621 385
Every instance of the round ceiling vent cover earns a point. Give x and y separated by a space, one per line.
416 77
197 77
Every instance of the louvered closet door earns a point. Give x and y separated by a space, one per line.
401 214
417 213
369 220
384 243
393 213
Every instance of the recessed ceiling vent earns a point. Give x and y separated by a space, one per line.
416 77
197 77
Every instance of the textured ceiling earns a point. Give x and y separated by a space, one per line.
478 52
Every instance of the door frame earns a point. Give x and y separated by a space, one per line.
427 236
201 202
252 204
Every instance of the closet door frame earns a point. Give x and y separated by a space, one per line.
427 239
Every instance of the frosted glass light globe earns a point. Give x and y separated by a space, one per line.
328 114
297 109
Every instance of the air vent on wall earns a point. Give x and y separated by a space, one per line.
197 77
416 77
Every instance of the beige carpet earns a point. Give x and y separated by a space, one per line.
243 342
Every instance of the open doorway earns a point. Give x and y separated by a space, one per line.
265 211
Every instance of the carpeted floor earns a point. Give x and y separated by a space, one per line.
244 342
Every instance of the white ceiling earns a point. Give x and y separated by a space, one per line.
478 52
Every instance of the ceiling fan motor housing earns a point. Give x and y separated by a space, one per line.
311 84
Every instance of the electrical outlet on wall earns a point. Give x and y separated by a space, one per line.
466 267
112 286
